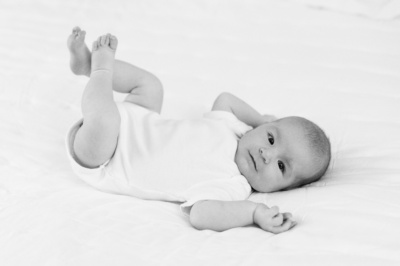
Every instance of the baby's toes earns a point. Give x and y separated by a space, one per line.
76 30
98 41
103 40
81 35
113 42
108 39
95 45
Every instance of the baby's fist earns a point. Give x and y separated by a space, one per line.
268 118
269 219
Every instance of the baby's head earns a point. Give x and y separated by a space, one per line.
284 154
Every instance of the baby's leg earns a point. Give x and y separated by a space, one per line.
96 140
144 88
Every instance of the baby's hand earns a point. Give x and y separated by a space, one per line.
268 118
269 219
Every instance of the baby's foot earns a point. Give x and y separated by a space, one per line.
103 53
80 54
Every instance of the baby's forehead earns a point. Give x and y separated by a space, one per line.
307 144
291 121
294 142
290 128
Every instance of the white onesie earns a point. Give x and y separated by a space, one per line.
171 160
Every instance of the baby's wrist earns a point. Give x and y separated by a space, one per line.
257 206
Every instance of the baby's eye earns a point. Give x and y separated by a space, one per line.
271 139
281 166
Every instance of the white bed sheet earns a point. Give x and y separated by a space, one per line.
329 64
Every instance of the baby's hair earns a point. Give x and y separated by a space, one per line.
320 146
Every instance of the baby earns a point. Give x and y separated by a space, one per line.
210 164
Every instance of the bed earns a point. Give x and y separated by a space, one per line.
334 62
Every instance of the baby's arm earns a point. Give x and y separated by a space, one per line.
244 112
223 215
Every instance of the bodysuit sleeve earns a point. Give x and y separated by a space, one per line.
231 189
230 120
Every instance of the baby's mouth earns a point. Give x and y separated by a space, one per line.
254 163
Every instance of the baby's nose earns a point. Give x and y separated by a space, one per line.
264 154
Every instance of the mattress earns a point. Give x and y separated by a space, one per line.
334 62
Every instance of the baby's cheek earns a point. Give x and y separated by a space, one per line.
242 164
268 179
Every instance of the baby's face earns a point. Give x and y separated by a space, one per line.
274 156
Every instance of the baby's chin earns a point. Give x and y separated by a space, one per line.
256 188
252 180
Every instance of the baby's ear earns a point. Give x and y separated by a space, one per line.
269 118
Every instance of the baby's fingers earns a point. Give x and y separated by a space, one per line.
287 215
273 211
269 118
277 220
281 218
287 224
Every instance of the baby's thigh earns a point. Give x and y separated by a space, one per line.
96 140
